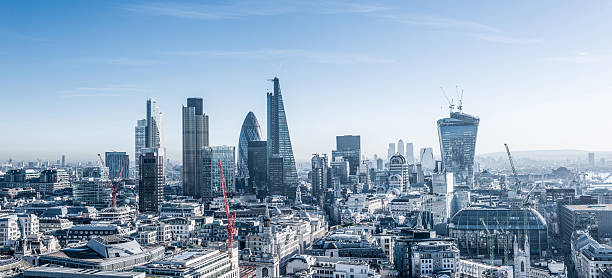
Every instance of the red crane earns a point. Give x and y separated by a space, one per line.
114 188
231 218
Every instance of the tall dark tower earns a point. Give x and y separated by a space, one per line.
195 137
151 180
282 174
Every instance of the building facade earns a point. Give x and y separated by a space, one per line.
279 145
195 137
249 132
118 163
457 135
151 181
211 158
349 148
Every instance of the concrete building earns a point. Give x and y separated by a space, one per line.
67 272
110 253
191 263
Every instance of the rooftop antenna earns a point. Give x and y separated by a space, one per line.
451 104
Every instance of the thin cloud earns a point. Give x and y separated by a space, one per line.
107 91
120 61
440 22
498 38
582 58
312 56
241 9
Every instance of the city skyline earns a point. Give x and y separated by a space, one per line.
563 75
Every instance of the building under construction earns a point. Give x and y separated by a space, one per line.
489 231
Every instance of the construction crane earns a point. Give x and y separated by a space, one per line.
115 187
516 180
451 104
231 218
489 242
505 234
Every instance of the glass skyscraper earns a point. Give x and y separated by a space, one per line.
250 131
457 136
349 148
195 137
211 157
115 161
282 179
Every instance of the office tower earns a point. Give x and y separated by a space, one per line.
592 159
318 176
457 135
409 153
348 147
211 177
279 146
427 159
419 173
92 189
250 131
258 168
400 147
153 130
390 150
139 142
63 161
340 170
195 137
398 173
115 161
379 164
151 180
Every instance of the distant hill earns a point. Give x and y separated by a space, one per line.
550 155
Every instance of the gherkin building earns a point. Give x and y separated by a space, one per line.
250 131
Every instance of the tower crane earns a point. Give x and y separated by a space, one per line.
489 242
451 104
115 187
231 218
516 180
505 234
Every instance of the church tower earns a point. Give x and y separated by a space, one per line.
522 263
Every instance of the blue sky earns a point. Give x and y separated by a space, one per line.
75 74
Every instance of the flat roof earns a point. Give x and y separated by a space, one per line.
49 271
598 207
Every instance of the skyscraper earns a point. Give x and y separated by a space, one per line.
279 146
151 180
318 176
153 130
348 147
115 161
400 147
63 160
258 168
457 136
592 159
211 157
250 131
427 159
409 153
139 142
195 137
390 150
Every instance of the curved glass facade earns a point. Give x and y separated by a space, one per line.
250 131
504 223
457 136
